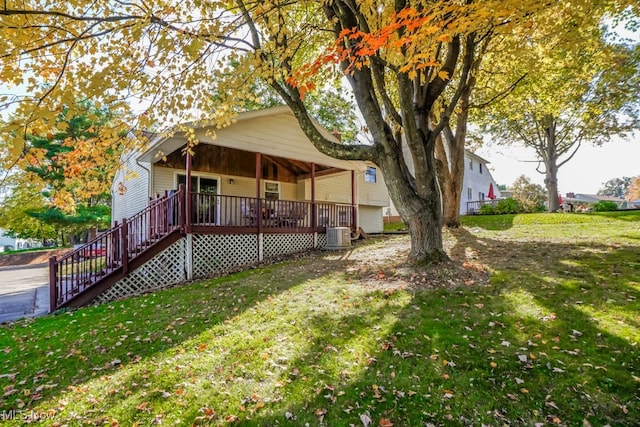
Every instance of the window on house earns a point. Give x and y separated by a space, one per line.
470 164
481 196
370 175
272 190
480 167
469 193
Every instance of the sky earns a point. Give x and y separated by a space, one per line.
585 173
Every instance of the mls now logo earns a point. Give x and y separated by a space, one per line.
20 415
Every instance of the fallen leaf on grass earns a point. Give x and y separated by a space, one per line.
385 422
365 419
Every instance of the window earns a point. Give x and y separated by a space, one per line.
469 193
470 164
200 184
480 167
272 190
370 175
481 196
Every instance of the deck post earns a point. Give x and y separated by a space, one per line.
314 208
181 208
125 246
53 284
189 256
187 197
354 211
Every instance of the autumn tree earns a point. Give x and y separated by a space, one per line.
577 86
21 199
615 187
400 59
63 179
532 196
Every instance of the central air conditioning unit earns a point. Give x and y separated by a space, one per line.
338 238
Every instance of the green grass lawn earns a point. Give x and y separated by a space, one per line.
536 322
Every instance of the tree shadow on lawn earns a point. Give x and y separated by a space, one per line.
554 345
46 356
518 350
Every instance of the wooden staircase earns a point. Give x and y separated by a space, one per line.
78 277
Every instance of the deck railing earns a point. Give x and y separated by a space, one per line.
113 249
211 210
475 206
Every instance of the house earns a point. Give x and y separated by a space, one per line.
579 201
256 190
478 186
8 243
226 167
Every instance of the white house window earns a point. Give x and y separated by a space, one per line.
470 164
469 193
480 167
370 175
481 196
272 190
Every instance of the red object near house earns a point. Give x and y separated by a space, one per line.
491 194
560 201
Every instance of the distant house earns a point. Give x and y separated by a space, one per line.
8 243
578 200
476 186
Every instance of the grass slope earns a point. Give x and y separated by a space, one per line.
537 323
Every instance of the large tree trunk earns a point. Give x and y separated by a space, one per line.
422 213
450 175
551 182
550 158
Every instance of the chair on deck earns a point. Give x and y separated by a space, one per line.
294 216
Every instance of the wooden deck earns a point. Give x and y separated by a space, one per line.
80 276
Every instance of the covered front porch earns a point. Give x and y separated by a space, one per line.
233 190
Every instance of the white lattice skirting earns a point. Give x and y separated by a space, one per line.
212 254
216 253
165 269
284 244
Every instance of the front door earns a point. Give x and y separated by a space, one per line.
204 199
208 208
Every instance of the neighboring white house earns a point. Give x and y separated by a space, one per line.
11 243
476 185
6 243
289 167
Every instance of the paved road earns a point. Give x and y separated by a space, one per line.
24 291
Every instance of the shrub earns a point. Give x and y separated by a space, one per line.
605 206
509 206
487 210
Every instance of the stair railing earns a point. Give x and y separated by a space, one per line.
113 249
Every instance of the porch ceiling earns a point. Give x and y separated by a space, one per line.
274 132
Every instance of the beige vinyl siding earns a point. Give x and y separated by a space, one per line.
370 219
135 179
372 193
166 179
332 188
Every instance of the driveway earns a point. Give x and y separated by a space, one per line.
24 291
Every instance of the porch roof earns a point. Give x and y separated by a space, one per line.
271 131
